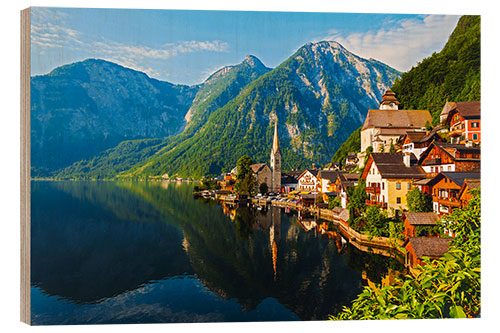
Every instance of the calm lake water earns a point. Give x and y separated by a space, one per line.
147 252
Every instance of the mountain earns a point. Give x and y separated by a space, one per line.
351 145
221 87
78 110
215 92
319 96
453 74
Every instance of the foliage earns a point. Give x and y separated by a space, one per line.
351 145
377 222
427 230
245 181
111 162
263 188
452 74
418 202
208 184
392 148
334 202
357 202
446 287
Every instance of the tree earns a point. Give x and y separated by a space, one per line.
245 181
376 222
392 148
334 202
446 287
418 201
263 188
357 203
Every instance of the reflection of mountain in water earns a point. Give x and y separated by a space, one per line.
94 240
84 252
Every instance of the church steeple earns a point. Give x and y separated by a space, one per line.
276 162
276 142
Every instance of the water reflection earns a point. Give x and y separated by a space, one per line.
95 242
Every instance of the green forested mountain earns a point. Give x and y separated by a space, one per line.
351 145
221 87
319 96
81 109
452 74
215 92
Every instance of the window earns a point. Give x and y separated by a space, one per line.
382 185
409 186
398 200
398 186
474 136
474 124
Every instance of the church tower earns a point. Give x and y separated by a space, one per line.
275 162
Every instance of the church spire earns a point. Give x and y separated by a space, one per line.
276 143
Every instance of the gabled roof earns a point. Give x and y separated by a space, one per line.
421 218
451 150
256 168
467 109
421 136
430 246
314 172
328 174
471 184
391 166
397 118
456 177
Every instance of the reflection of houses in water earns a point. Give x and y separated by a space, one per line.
337 237
307 220
229 210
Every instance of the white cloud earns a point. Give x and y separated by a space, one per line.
47 36
400 44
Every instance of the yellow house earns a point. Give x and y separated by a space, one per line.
388 178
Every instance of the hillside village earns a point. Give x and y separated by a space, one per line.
402 156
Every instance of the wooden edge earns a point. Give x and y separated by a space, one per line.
25 166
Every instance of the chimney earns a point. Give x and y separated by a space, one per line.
406 160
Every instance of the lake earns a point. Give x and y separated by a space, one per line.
147 252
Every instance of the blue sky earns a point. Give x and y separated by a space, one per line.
185 47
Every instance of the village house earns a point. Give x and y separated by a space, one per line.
342 183
308 180
351 159
290 181
413 221
226 182
389 177
384 126
446 187
463 120
325 179
419 247
465 195
442 156
416 142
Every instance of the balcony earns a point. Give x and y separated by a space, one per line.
456 132
376 203
447 201
372 189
